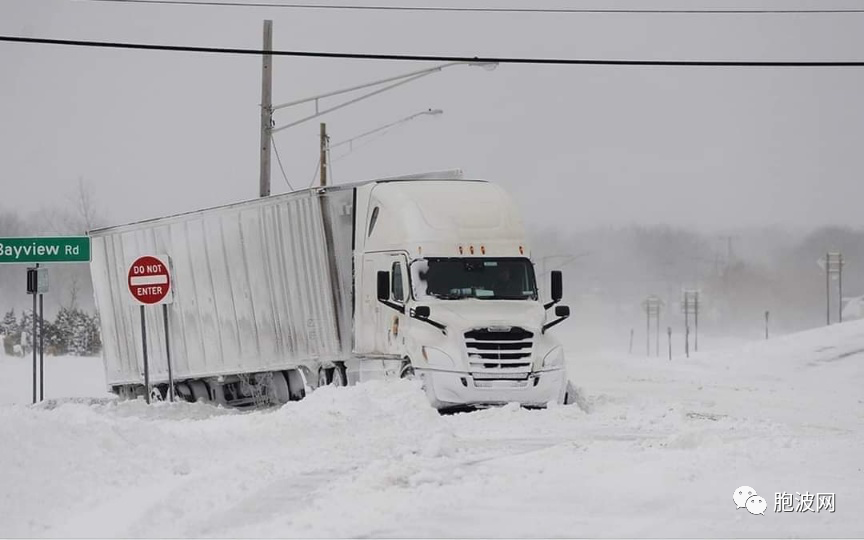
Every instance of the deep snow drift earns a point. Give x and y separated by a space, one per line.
654 448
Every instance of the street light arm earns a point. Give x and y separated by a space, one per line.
366 85
351 102
382 128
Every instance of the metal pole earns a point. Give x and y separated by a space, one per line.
266 109
840 287
323 156
146 363
686 325
827 288
687 341
766 324
168 354
696 321
41 351
630 351
647 330
669 339
33 342
657 328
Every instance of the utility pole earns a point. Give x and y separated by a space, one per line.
833 267
669 340
767 313
266 109
691 307
323 158
686 325
840 287
828 289
696 321
652 309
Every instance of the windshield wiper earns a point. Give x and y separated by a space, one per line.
450 296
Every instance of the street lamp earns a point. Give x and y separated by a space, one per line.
399 80
267 109
324 159
429 112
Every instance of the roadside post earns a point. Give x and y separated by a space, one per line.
652 306
149 281
669 340
833 265
690 306
40 250
41 288
767 313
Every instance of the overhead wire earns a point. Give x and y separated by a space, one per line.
279 161
469 9
438 58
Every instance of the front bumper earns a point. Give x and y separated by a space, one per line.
449 389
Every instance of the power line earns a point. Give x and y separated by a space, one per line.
279 160
345 7
439 58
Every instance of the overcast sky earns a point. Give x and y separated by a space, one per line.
155 133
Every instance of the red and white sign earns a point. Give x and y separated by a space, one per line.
150 280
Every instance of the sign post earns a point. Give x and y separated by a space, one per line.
42 249
149 281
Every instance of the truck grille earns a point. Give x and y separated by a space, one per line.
501 352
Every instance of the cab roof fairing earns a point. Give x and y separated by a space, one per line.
433 219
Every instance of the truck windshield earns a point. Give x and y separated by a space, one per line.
483 278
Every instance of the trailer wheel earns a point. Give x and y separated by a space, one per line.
339 378
279 389
324 377
407 371
296 384
156 394
182 391
199 391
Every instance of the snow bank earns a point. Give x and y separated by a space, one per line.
655 449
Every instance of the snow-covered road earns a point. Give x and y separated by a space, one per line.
654 448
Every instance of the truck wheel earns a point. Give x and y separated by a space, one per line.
296 384
323 378
407 371
156 394
339 378
199 391
279 389
182 391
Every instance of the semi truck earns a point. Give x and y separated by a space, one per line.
427 277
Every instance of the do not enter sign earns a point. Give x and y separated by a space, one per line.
150 280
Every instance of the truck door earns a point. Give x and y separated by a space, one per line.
380 327
399 295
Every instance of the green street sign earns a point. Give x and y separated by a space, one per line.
45 249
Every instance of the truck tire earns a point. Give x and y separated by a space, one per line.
182 391
296 384
156 394
339 378
324 376
406 371
199 391
279 392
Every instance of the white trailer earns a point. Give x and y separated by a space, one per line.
419 277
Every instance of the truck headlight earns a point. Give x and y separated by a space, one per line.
554 359
437 357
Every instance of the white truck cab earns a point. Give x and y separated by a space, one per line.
447 293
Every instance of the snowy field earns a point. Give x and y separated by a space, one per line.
654 449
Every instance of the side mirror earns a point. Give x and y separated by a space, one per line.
422 312
383 288
557 286
562 311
